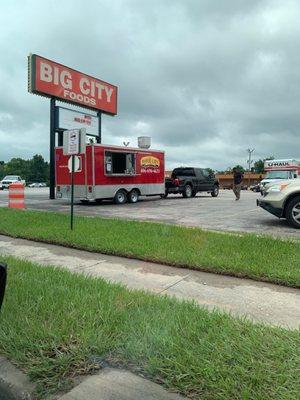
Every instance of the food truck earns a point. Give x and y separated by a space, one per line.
111 172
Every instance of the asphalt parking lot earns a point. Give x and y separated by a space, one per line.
222 213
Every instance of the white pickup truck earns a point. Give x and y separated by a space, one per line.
7 180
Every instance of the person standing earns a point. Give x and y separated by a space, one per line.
237 182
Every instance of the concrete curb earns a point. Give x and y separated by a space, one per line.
14 385
109 384
119 384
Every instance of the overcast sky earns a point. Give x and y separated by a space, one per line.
206 79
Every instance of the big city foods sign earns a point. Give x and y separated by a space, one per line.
50 79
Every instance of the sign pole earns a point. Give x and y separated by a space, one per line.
73 145
52 149
99 138
72 192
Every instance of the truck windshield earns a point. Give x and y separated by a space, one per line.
278 175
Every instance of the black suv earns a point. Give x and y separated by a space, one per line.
190 181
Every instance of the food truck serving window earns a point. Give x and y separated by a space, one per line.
117 163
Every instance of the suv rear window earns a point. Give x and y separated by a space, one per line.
183 172
205 173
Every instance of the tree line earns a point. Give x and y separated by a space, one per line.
258 167
35 169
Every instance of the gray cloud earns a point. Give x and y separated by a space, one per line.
205 79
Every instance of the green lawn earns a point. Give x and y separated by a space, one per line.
246 255
56 325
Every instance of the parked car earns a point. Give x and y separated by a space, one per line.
4 184
189 181
37 184
255 187
283 200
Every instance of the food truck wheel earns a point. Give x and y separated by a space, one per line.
133 196
120 197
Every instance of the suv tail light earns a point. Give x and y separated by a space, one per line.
176 182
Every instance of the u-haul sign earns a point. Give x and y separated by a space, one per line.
51 79
281 164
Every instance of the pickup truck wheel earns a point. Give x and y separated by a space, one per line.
293 212
120 197
187 191
133 196
215 191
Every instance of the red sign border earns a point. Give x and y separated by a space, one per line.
32 86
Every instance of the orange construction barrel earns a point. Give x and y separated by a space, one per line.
16 195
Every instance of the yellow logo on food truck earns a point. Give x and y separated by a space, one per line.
150 161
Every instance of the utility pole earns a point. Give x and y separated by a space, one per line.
250 151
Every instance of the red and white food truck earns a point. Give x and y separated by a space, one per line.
111 172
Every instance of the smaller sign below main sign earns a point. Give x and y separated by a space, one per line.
71 142
74 141
77 164
70 119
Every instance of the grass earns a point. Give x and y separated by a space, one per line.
246 255
56 326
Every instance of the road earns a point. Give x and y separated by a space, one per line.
222 213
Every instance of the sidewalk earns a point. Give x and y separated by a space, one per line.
261 302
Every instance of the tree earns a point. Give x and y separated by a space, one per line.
1 169
240 168
38 169
259 165
33 170
17 166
